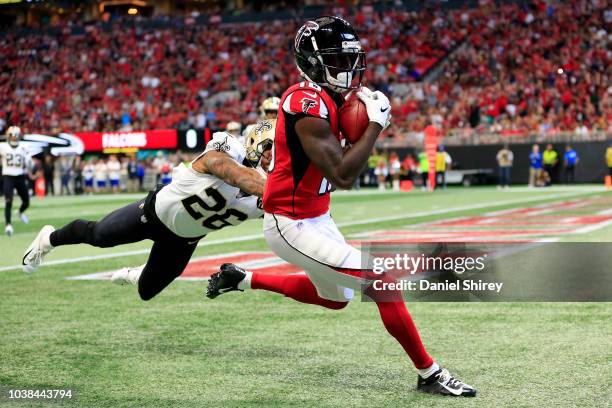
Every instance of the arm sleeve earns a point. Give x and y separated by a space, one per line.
306 103
224 142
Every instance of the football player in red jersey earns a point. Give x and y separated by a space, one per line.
308 160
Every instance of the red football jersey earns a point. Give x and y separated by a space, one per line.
295 188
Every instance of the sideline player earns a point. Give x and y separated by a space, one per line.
308 160
216 190
267 110
16 162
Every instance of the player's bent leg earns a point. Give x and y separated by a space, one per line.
122 226
22 190
317 246
7 187
296 286
167 260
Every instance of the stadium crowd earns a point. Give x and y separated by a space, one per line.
541 67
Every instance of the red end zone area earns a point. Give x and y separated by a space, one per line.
546 222
201 268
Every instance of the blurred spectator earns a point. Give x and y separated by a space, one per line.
549 160
609 159
535 166
395 169
77 171
381 172
505 158
124 173
101 175
158 165
65 175
443 162
114 172
48 168
424 169
132 168
88 175
370 178
140 173
570 161
409 167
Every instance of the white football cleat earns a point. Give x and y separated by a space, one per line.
127 276
8 230
24 218
41 246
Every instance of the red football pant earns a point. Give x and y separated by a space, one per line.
393 311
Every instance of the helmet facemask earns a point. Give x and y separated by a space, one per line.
259 139
343 67
13 136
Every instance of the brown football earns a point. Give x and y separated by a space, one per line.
353 118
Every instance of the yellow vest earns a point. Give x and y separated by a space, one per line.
441 161
609 156
549 157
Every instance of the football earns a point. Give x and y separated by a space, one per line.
353 118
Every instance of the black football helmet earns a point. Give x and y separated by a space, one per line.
328 52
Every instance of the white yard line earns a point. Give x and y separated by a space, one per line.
594 227
205 243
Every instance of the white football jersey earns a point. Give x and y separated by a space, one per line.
195 204
88 172
15 160
114 170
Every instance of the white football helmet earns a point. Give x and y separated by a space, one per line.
233 128
269 108
13 135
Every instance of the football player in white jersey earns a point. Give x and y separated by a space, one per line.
267 110
221 187
16 163
88 175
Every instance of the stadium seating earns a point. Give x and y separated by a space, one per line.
510 69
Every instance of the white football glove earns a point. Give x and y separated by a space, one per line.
377 106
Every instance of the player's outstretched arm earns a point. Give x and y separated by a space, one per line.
324 151
227 169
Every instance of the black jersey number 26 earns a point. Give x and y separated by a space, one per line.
215 221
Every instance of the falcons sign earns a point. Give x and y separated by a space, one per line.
307 104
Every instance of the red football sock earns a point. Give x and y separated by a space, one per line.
399 324
297 287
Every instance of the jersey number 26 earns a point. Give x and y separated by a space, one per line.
215 221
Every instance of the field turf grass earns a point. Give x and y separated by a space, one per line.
260 349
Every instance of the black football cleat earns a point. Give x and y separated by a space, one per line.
226 280
441 382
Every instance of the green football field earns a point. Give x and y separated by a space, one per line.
260 349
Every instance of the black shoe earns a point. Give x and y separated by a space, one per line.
441 382
226 280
